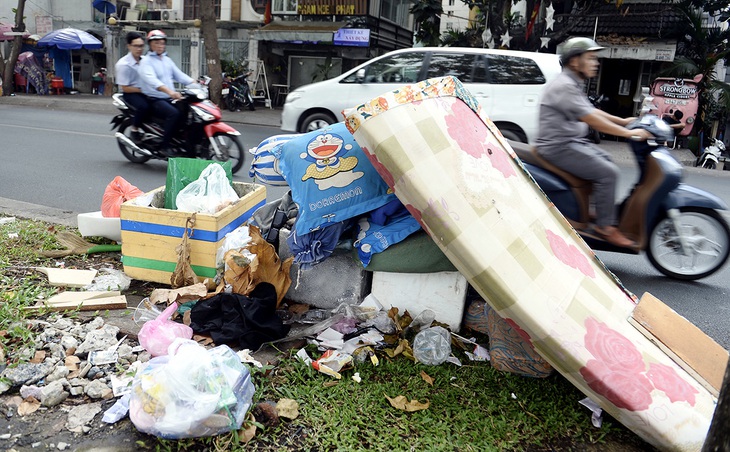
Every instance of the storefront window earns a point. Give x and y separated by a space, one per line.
284 7
192 9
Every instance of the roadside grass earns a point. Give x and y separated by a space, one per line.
471 408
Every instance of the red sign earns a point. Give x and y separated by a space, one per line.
677 94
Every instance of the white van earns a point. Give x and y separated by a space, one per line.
508 84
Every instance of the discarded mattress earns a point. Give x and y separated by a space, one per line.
448 163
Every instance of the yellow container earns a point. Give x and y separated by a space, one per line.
150 234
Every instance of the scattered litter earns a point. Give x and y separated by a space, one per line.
512 394
304 357
108 356
181 295
245 357
356 377
330 338
432 346
478 354
596 411
6 220
66 277
332 362
13 235
118 410
110 279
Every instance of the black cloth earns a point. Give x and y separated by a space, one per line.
164 108
231 318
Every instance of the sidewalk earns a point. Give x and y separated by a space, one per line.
262 116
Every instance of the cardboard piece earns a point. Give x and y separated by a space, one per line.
67 277
84 301
687 345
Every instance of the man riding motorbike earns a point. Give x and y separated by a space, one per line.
565 115
158 73
129 81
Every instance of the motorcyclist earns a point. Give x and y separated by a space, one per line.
159 73
129 81
565 115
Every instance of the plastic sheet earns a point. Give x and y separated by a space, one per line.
157 335
211 192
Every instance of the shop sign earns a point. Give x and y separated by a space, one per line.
359 37
672 94
332 7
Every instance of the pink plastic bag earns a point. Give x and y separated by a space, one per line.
118 191
157 335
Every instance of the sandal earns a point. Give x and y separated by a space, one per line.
612 235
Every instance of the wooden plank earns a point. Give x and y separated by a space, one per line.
68 277
687 345
79 300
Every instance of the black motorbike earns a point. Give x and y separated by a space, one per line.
237 93
598 102
202 134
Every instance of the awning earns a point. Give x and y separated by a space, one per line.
298 31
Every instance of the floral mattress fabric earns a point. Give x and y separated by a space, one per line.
451 167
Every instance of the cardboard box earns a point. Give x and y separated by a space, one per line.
151 234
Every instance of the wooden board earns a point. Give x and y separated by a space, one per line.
83 301
448 163
691 348
68 277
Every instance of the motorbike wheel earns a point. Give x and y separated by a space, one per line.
709 164
706 235
231 103
230 150
128 152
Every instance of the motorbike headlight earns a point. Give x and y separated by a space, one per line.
204 115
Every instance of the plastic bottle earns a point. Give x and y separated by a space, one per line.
432 346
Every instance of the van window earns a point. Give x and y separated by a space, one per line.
512 70
401 68
468 68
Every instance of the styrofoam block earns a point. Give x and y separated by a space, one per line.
94 224
336 280
444 293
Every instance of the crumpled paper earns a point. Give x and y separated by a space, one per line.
243 274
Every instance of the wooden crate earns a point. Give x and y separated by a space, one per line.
151 234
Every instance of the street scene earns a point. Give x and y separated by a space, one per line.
254 226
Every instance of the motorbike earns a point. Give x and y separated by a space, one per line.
201 134
680 228
712 155
237 93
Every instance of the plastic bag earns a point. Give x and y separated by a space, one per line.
117 192
157 335
110 279
181 172
209 194
193 392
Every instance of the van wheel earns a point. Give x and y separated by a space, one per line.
316 121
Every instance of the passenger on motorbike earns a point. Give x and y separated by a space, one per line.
129 81
159 73
565 115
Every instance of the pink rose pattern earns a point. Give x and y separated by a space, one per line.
468 131
619 373
380 168
569 254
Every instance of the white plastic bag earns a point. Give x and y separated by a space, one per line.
192 392
210 193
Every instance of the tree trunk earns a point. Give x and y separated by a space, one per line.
209 33
8 73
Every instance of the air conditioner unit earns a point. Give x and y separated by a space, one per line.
168 14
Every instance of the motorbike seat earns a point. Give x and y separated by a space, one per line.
581 188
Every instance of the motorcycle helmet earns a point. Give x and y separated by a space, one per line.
155 35
577 46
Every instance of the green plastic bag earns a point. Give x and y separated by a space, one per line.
183 171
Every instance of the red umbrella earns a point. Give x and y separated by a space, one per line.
7 33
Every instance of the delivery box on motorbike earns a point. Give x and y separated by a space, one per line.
150 233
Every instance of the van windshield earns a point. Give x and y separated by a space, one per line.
401 68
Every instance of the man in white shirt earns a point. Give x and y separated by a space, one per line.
159 73
129 81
